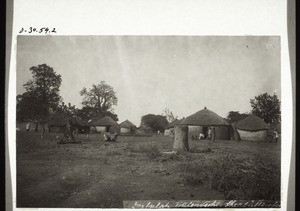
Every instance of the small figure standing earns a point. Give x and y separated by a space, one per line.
201 136
213 138
209 134
28 126
275 137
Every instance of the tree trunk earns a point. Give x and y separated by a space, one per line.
181 138
36 129
236 136
72 130
43 131
213 137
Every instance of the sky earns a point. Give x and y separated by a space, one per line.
151 73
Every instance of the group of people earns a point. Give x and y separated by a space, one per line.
110 136
210 135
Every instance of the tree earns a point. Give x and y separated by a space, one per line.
41 97
155 122
181 142
266 107
169 115
234 116
98 100
67 110
88 113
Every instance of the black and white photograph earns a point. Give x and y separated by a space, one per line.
136 121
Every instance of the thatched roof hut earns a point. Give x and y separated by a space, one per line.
58 119
253 128
105 121
103 124
127 127
81 125
58 123
252 123
78 121
201 120
127 124
205 117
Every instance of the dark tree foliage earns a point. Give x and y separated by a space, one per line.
234 116
100 97
41 97
67 110
88 113
155 122
98 101
266 107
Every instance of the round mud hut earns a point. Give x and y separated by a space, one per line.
144 130
58 123
200 121
81 125
103 125
127 127
253 128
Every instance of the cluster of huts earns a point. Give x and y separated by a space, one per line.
250 128
58 124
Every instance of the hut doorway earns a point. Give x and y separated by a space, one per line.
205 131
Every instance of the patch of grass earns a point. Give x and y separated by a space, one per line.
113 153
236 176
152 150
196 150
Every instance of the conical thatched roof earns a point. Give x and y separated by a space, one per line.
252 123
78 121
58 119
173 123
105 121
127 124
61 119
205 117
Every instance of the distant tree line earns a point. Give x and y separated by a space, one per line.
41 99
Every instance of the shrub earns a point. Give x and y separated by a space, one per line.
113 153
236 177
151 150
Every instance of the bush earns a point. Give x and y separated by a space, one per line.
236 177
151 150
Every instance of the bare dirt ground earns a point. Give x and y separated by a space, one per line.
104 174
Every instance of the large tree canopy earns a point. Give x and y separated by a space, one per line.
155 122
266 107
41 97
98 100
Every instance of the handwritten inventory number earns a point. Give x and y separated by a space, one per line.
43 30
